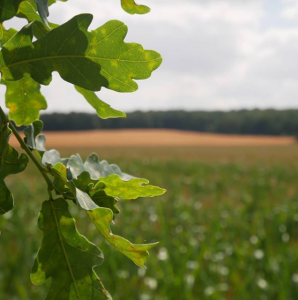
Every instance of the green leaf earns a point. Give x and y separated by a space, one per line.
132 189
67 257
103 110
33 138
101 218
81 189
132 8
98 196
60 170
8 9
27 10
63 185
7 34
83 181
91 183
102 200
10 163
24 99
6 198
72 181
90 60
1 32
54 1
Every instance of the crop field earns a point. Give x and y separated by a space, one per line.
156 138
227 227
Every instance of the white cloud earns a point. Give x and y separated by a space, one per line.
217 54
290 10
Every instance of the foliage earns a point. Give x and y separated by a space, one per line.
11 163
90 60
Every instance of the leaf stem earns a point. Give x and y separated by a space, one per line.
41 169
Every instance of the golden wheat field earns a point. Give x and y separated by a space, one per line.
157 138
174 144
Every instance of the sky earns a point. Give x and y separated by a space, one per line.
217 54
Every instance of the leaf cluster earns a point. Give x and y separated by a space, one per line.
90 60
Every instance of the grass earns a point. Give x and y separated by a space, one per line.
228 227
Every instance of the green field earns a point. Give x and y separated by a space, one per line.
228 227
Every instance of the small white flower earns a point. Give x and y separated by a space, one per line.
262 283
259 254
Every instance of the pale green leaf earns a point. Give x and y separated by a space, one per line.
73 181
101 218
132 189
27 10
90 60
98 169
51 157
67 257
24 99
1 32
132 8
10 163
94 167
103 110
33 138
84 200
43 10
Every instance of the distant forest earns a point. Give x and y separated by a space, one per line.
260 122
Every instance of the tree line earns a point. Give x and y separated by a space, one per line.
260 122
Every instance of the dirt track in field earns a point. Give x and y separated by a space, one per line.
156 138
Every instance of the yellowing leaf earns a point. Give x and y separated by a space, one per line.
90 60
24 99
103 110
132 8
101 218
132 189
67 257
6 34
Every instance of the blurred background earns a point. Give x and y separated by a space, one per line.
216 126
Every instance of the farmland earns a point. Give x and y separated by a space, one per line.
157 138
228 226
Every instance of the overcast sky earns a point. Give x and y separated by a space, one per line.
218 54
